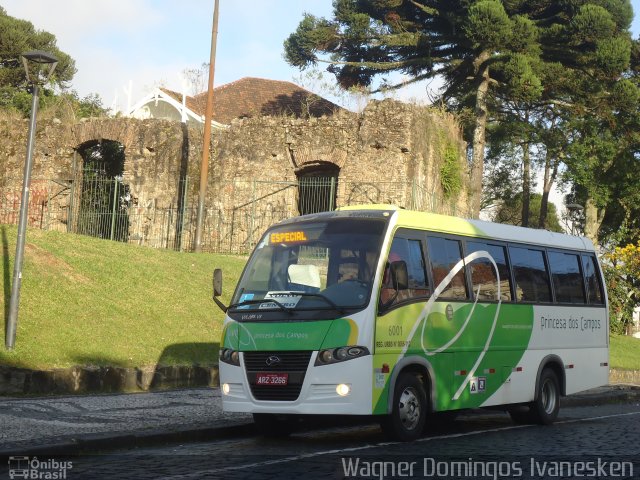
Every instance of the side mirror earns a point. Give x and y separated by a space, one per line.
400 275
217 288
217 282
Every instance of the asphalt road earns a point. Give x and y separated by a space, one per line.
586 442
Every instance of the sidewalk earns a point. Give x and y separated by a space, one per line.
65 425
57 425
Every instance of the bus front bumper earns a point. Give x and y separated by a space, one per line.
318 395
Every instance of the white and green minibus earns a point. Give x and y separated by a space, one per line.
377 310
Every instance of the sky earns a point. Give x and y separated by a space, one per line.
148 43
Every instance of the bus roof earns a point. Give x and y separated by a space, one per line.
479 228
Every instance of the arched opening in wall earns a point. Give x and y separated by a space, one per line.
317 187
102 199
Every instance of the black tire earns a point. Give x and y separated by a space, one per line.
521 415
441 420
408 415
274 425
544 410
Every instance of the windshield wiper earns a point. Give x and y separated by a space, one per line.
323 297
258 302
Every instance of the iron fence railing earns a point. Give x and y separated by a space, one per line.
233 223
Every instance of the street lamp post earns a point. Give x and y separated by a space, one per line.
574 212
47 61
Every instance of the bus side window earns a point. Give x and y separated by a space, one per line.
594 285
409 251
483 274
444 254
531 275
567 278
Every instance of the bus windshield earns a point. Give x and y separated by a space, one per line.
312 266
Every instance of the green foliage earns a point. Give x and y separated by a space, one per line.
451 172
591 23
510 212
622 274
488 25
15 99
523 83
525 36
602 156
19 36
312 33
613 54
67 105
70 106
625 97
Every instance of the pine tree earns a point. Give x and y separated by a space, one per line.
20 36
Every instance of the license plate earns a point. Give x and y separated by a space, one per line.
272 379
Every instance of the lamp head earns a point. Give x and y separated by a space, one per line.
43 64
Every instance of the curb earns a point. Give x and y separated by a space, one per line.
106 442
93 380
616 393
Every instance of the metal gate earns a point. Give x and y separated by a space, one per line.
99 204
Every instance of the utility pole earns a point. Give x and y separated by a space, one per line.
204 167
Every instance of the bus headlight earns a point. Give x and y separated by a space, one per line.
340 354
226 388
227 355
343 389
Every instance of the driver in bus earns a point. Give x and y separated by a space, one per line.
388 290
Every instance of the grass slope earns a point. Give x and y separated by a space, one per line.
624 352
86 301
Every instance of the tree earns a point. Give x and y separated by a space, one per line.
196 78
478 47
511 212
622 272
457 39
17 37
594 51
68 105
601 113
603 159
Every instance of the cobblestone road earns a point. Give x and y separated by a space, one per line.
597 442
30 422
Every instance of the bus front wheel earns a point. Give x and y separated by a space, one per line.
408 415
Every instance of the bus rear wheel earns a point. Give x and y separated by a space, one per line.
408 415
544 409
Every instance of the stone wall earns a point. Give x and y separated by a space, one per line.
390 153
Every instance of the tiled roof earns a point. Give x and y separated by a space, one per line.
251 97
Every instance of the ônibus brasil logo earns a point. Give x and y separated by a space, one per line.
32 468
